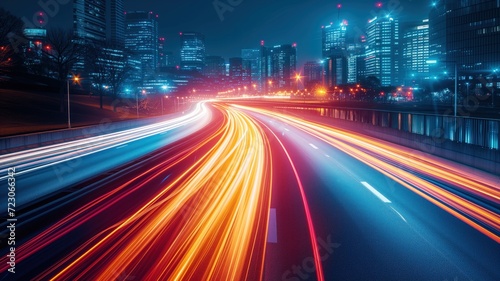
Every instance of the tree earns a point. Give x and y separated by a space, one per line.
11 40
60 54
109 68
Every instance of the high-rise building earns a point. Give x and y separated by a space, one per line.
115 23
33 50
313 74
356 67
214 67
239 72
170 58
252 57
437 35
192 51
89 21
99 24
334 37
142 39
416 52
278 67
383 50
162 57
470 32
334 42
336 68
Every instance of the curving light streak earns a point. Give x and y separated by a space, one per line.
208 223
37 158
48 170
397 162
312 233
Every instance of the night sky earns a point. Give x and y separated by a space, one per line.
275 21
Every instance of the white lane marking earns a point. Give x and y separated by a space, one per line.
401 216
272 233
374 191
313 146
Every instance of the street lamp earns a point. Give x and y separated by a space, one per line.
137 101
76 79
164 87
467 83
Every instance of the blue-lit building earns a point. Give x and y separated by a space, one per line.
252 57
334 36
115 23
192 51
334 50
416 52
162 55
356 65
239 72
279 65
215 71
468 33
215 67
383 50
142 39
33 50
89 21
99 24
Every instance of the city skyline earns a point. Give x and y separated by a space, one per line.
277 24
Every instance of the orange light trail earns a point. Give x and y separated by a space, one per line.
221 236
396 162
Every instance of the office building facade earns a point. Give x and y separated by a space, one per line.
89 21
278 67
335 57
416 52
141 39
192 51
253 58
382 51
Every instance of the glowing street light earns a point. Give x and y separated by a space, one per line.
75 79
164 87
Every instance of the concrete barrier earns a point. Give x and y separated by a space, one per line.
482 158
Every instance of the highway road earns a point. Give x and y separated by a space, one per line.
235 192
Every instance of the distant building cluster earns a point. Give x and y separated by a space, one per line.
461 33
387 50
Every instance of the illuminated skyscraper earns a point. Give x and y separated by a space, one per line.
142 39
334 44
99 24
252 57
115 23
383 50
215 67
356 66
279 67
89 21
466 32
162 56
416 51
192 51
